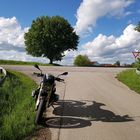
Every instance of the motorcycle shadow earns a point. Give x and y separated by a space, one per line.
78 114
66 122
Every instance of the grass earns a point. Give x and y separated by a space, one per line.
131 79
1 74
16 107
13 62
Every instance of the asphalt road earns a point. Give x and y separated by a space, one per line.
93 105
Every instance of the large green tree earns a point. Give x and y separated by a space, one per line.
50 37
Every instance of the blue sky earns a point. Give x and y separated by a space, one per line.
102 25
27 10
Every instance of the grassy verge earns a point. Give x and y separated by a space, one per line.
13 62
16 107
1 74
131 79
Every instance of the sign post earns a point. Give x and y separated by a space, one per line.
136 54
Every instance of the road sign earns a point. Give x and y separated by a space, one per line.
136 54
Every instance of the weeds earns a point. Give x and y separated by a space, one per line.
131 79
16 107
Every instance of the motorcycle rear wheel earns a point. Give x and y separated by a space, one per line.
40 111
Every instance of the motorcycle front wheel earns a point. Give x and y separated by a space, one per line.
40 111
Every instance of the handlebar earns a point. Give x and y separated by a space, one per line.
41 75
59 79
38 74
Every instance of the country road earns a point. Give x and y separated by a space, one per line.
93 105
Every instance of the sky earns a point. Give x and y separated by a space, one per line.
106 28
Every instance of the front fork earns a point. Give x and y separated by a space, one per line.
50 99
38 98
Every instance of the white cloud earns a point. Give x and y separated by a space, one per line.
20 56
7 47
69 57
91 10
11 32
103 48
12 41
110 48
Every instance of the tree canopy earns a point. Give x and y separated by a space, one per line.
50 37
82 60
138 27
117 63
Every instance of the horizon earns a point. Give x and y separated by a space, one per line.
106 28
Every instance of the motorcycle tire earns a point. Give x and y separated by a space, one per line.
40 111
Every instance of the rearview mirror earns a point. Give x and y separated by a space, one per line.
36 66
65 73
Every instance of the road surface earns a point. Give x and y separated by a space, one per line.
93 105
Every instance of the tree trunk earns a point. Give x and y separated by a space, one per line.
51 61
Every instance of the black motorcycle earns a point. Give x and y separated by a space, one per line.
45 94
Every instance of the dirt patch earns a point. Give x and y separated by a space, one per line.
40 134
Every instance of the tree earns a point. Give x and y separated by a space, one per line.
82 60
117 63
137 64
50 37
138 27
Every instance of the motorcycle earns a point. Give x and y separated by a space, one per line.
45 94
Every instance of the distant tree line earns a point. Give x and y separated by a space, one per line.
83 60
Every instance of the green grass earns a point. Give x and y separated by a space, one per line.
131 79
16 107
1 74
13 62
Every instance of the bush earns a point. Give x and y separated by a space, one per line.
82 60
137 64
131 79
